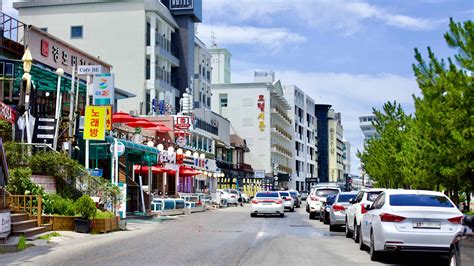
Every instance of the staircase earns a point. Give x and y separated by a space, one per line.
22 225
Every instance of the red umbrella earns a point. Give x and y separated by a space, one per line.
144 169
162 128
122 117
142 123
184 171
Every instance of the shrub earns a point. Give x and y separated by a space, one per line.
85 206
60 206
103 214
20 183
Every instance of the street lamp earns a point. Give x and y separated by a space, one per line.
188 153
60 73
195 155
179 151
202 156
150 143
160 147
170 149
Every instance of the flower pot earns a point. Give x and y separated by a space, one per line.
82 226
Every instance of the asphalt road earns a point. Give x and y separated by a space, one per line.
222 237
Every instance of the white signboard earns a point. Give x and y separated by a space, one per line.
89 70
259 173
103 89
5 222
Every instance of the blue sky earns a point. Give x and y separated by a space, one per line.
354 55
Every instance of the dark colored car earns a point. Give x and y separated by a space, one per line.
295 196
462 252
326 208
304 194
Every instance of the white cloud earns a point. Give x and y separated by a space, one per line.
271 38
346 17
352 95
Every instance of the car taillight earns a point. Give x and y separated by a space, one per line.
314 198
338 208
362 209
254 201
288 199
456 220
278 201
387 217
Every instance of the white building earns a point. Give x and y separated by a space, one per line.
134 36
202 75
258 113
302 114
366 126
335 141
220 65
346 157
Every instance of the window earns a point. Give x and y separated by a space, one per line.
148 32
147 69
223 100
345 197
44 29
420 200
76 32
379 201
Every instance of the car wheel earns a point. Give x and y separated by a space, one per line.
307 208
320 218
282 215
292 209
332 228
348 232
253 215
361 242
454 257
312 215
374 255
326 219
356 233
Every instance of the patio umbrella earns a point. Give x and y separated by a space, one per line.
122 117
144 169
162 128
141 123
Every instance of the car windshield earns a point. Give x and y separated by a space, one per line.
330 199
371 196
267 195
420 200
345 197
326 192
293 193
284 194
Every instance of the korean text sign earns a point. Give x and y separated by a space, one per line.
104 89
94 124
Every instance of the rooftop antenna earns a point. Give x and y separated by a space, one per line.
213 37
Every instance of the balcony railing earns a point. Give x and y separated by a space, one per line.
206 127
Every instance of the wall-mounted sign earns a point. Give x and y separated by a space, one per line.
108 118
261 115
259 173
181 141
44 129
181 4
7 113
165 157
120 148
89 70
103 89
182 122
51 51
94 124
5 222
96 172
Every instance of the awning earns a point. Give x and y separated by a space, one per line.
144 169
135 146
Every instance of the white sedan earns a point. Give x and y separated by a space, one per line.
267 202
410 220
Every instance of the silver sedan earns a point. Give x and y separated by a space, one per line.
337 213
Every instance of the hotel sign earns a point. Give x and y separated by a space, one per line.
181 4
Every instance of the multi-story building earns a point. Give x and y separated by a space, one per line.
220 65
202 76
366 126
321 112
258 113
335 143
304 138
346 157
150 43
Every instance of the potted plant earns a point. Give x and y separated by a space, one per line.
85 206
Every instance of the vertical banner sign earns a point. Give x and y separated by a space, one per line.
261 115
94 124
108 119
103 89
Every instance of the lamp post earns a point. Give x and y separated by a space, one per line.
27 63
57 114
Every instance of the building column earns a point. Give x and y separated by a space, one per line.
152 61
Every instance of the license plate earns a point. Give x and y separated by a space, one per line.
429 225
267 203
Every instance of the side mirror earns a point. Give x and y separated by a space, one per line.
468 221
351 201
369 207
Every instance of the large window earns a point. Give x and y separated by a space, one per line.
420 200
223 100
76 32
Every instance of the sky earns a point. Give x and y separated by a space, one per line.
354 55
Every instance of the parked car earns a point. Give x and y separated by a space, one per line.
245 198
296 196
230 198
325 208
462 252
267 202
357 209
288 201
410 220
337 213
304 194
317 197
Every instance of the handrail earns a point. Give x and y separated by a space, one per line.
25 203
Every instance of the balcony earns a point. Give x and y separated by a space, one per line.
206 127
282 133
282 115
282 150
165 50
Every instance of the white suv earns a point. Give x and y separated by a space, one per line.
317 197
356 210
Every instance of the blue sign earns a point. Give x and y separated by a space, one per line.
96 172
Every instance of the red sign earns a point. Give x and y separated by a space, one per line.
182 122
7 113
44 48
